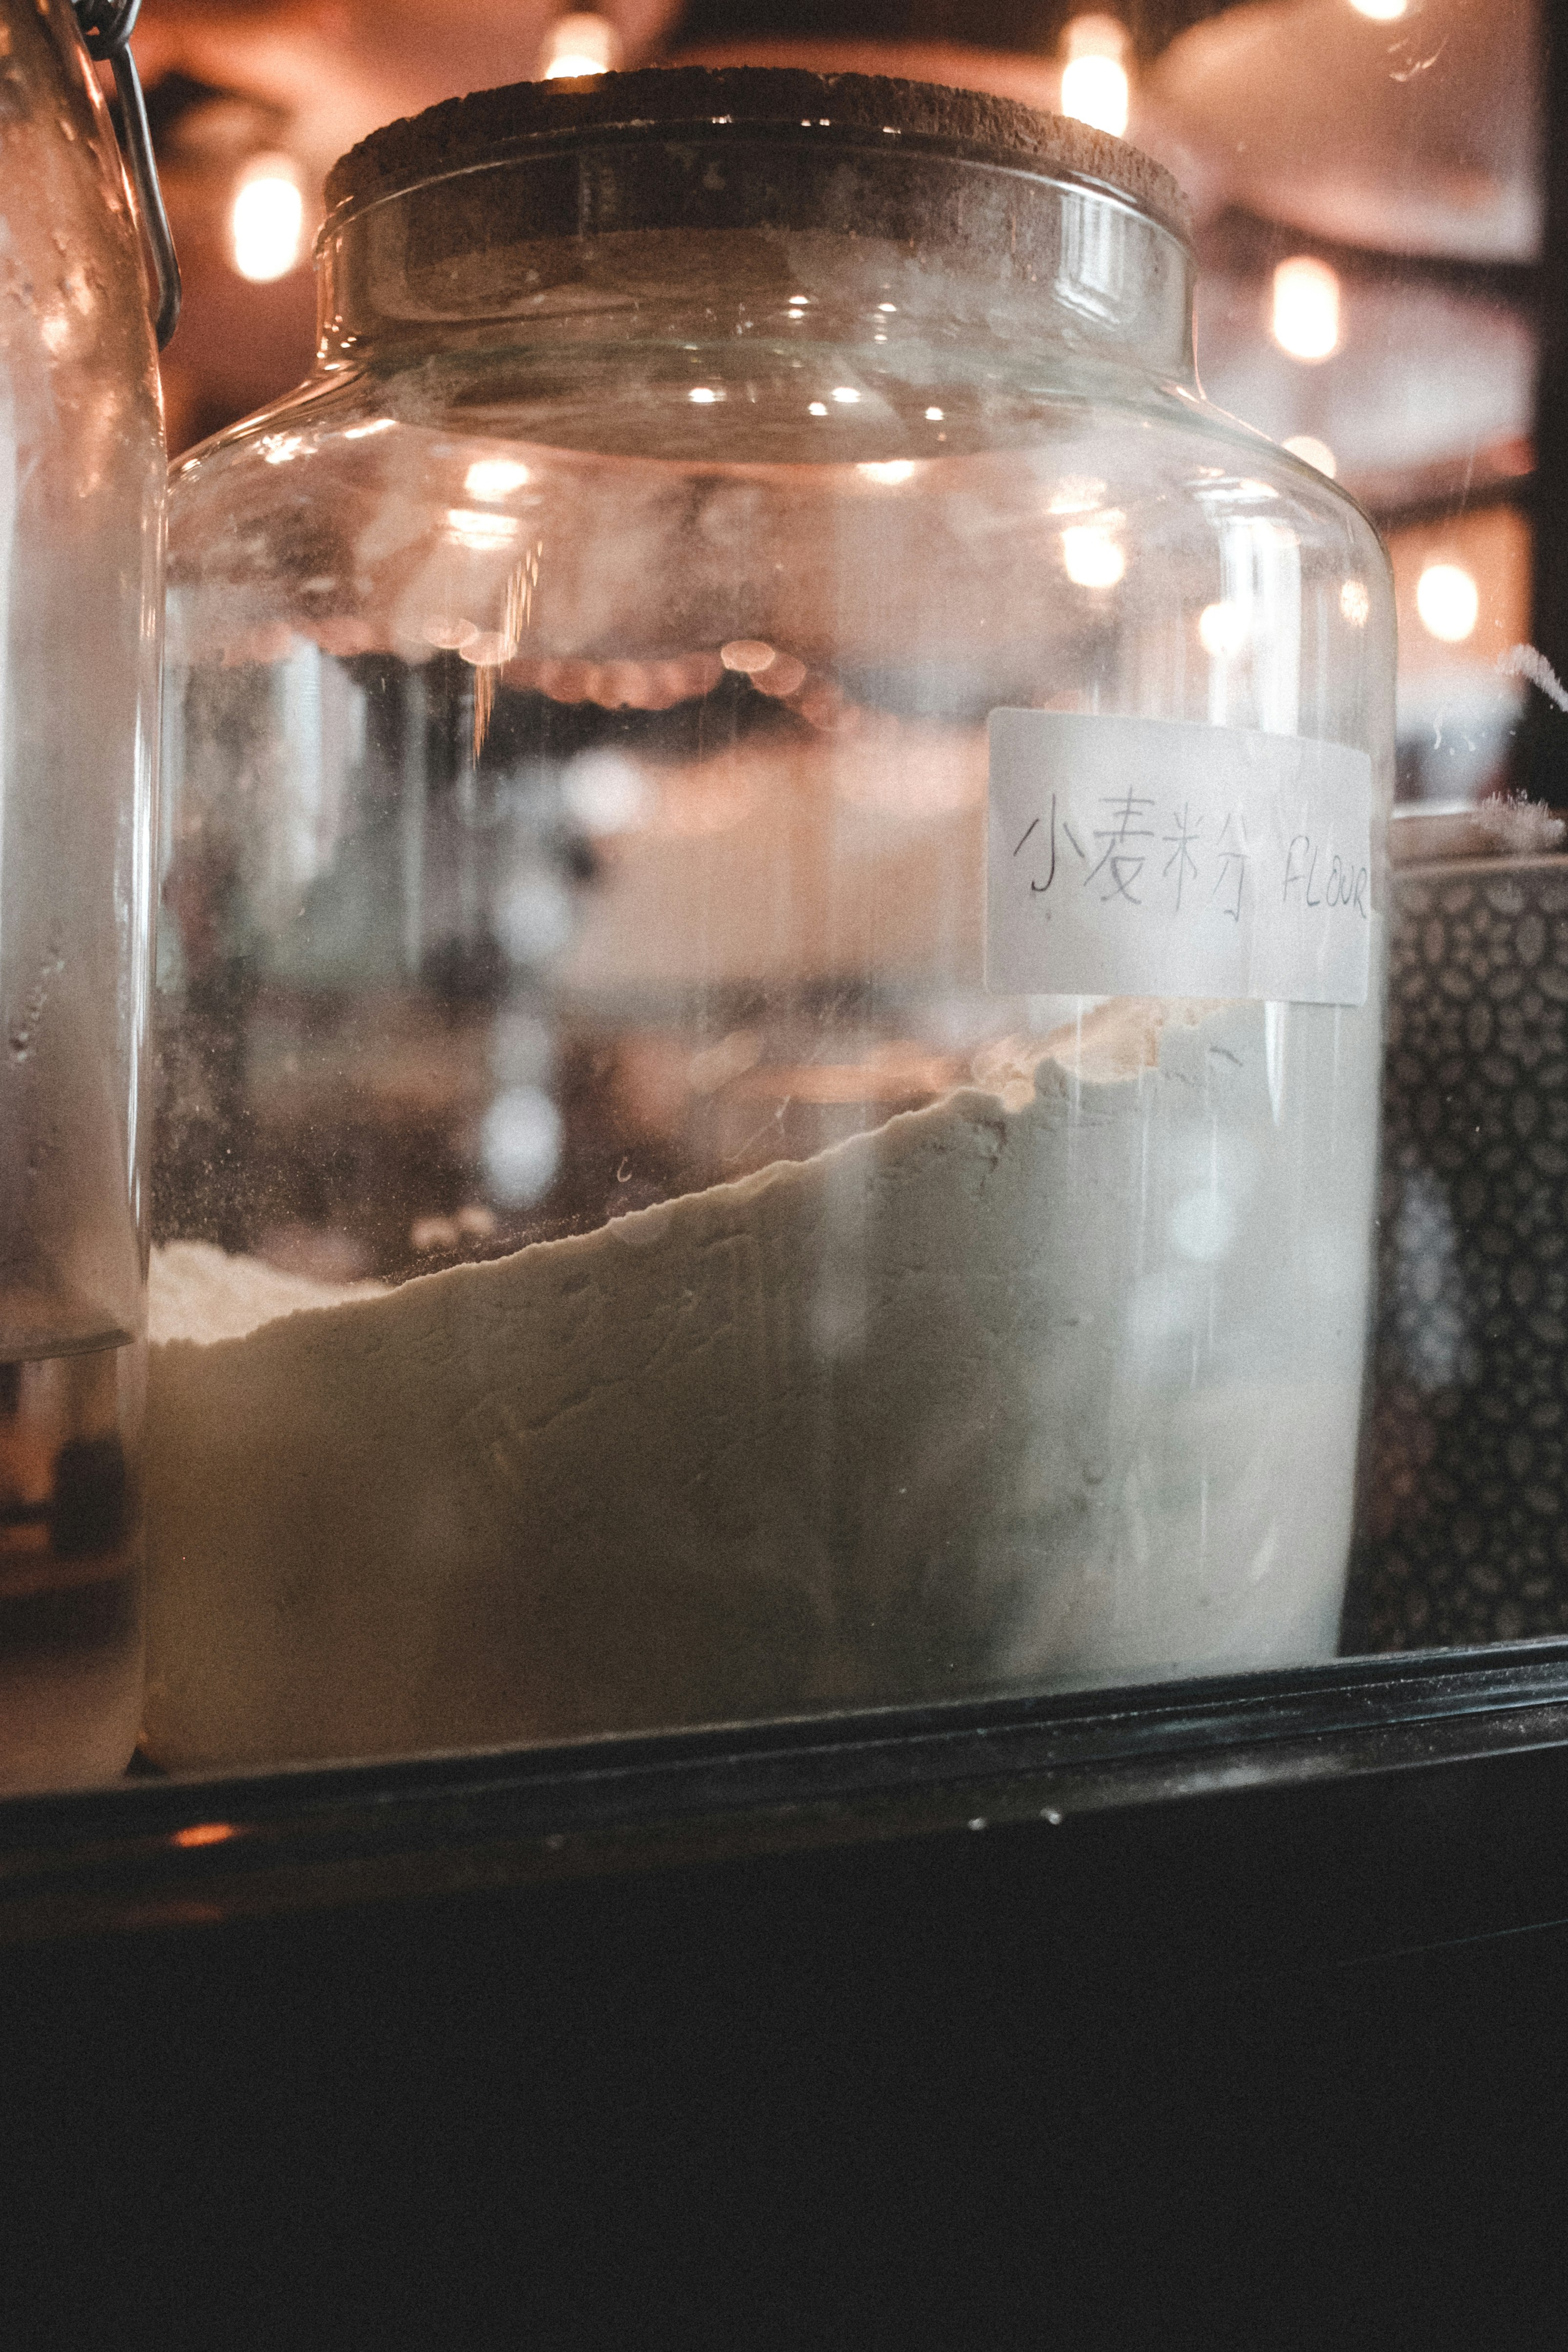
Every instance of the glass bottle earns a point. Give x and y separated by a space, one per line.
81 508
720 944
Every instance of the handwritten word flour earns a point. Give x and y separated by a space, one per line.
1141 856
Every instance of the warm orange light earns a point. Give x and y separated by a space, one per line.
207 1833
747 655
1095 84
1092 556
1448 602
580 45
1306 307
267 219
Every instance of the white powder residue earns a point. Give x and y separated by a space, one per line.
199 1292
1055 1380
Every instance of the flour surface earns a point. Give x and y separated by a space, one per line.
202 1293
1055 1380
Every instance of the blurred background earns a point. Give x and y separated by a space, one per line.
1374 192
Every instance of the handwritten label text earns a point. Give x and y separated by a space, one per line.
1134 856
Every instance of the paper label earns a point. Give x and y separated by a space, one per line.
1145 857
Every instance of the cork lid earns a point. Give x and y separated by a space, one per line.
852 108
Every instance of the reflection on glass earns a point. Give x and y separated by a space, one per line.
1355 306
1463 592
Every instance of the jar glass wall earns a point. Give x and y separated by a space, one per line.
632 1251
81 501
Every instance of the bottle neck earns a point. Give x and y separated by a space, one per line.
750 233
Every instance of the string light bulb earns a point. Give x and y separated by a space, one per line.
1449 603
1094 85
1381 12
1305 319
267 219
580 45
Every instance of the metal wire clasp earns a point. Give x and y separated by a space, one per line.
106 27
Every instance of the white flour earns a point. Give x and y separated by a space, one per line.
1056 1380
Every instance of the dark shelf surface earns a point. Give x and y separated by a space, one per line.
1378 1738
1207 2015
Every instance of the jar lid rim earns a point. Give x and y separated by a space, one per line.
491 124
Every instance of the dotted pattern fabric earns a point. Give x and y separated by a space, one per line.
1463 1525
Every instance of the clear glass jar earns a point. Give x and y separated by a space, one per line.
81 509
667 1211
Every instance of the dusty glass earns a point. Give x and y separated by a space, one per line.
671 1205
81 504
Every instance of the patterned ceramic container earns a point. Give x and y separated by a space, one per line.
1464 1517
